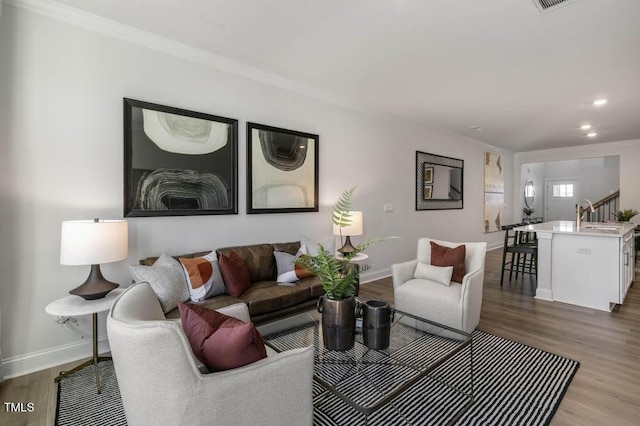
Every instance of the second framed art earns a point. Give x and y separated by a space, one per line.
282 170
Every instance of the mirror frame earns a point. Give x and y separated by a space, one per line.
528 203
423 158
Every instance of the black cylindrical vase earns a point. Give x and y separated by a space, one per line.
338 323
376 324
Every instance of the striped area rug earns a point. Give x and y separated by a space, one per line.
515 384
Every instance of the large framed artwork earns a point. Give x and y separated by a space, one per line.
178 162
493 192
282 170
439 182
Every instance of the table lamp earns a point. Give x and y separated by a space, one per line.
92 242
354 229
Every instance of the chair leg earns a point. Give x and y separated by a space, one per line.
513 256
504 257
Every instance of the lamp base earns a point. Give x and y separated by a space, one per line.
347 248
95 287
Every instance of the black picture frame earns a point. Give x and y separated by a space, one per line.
178 162
446 183
282 170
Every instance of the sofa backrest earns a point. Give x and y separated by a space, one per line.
259 258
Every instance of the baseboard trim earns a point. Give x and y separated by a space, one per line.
367 277
40 360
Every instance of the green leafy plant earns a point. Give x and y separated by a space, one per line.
528 211
338 278
625 215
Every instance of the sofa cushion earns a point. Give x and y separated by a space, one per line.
203 277
445 256
167 280
267 296
235 273
258 258
219 341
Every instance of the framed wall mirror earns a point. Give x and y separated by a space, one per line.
439 182
529 193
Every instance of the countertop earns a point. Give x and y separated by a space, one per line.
599 229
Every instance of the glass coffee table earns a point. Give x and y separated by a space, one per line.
369 379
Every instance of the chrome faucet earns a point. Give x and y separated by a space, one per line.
578 215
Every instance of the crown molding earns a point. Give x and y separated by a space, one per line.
597 147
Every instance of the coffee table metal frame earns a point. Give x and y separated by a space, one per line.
278 328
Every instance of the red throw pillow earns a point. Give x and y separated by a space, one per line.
446 256
234 273
221 342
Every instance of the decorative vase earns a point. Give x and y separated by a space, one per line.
376 324
338 323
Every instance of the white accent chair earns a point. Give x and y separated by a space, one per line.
161 382
457 305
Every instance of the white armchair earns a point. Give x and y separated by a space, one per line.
456 305
161 383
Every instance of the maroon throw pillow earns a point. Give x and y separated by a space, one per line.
234 273
446 256
221 342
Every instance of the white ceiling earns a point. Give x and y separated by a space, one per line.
526 78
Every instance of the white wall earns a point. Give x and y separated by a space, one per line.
61 158
628 151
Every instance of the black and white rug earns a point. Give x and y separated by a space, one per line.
515 384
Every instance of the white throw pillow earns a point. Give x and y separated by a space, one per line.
167 280
439 274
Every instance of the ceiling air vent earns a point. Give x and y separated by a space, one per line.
549 5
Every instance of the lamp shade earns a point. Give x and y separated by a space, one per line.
354 229
92 242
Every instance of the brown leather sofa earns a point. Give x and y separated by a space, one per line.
265 299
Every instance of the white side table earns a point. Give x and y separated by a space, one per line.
73 306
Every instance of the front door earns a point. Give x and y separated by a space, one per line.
561 197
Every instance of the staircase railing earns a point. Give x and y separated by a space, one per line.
604 208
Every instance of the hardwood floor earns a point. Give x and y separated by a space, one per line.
605 390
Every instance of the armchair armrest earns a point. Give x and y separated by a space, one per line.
237 310
217 395
472 284
403 272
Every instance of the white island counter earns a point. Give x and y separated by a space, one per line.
592 266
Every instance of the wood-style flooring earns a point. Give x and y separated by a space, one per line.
605 390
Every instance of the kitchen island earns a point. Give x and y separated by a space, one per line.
592 266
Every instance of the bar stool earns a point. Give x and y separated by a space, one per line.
523 248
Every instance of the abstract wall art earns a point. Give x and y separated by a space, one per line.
493 192
282 170
178 162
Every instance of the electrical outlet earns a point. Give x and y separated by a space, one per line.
584 250
388 208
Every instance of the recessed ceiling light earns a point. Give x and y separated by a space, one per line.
478 128
599 102
585 126
592 134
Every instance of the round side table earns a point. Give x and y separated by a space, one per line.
73 306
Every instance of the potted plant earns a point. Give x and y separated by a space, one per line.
338 279
625 215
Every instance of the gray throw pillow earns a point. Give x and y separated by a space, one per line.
166 278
